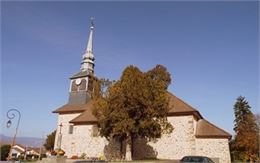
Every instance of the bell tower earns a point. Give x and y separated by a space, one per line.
81 83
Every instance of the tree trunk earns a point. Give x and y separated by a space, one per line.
132 146
128 155
121 150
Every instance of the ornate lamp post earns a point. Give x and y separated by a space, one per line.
11 115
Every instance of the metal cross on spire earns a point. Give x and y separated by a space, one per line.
92 22
88 57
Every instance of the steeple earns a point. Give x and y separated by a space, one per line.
87 63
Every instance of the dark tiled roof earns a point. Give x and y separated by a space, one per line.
205 129
179 107
86 117
79 98
70 108
80 74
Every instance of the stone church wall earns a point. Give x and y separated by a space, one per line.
179 143
214 148
64 120
83 140
175 145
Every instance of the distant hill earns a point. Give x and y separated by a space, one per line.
25 141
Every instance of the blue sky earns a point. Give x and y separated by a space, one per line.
210 49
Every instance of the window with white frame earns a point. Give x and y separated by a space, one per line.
71 127
94 131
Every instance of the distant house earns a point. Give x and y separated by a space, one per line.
17 150
33 151
20 150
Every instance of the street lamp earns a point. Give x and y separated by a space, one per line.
9 123
11 115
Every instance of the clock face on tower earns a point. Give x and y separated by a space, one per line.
78 81
79 84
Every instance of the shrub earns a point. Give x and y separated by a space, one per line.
74 157
82 156
101 157
53 153
4 151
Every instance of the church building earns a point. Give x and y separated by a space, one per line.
77 131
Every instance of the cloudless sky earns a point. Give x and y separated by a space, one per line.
210 49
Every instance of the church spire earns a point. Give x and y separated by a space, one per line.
87 63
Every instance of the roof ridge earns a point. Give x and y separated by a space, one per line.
182 101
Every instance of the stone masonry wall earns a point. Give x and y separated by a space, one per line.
179 143
214 148
82 140
64 120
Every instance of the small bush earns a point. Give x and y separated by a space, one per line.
101 157
82 156
53 153
4 151
74 157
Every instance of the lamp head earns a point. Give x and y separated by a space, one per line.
9 123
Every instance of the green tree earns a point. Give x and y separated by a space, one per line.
241 109
135 106
246 141
50 140
161 76
4 151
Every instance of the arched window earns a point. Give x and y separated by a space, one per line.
74 86
82 85
94 131
70 129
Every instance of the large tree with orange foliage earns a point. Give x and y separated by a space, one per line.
135 106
